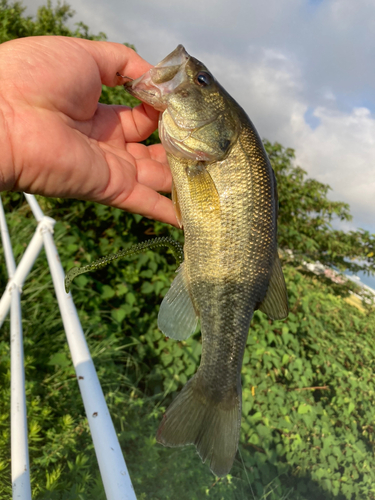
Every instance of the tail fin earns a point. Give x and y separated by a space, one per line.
213 427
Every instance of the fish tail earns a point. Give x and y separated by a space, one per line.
213 427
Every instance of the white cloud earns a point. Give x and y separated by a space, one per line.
341 152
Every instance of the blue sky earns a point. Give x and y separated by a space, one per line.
303 70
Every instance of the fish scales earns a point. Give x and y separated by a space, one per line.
224 191
233 254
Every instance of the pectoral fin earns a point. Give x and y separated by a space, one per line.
176 205
177 317
275 303
203 191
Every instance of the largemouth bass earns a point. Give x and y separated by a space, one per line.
224 193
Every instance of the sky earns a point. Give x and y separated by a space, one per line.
303 70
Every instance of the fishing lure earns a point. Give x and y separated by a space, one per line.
163 241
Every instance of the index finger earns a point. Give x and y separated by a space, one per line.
113 58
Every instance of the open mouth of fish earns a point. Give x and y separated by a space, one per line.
161 80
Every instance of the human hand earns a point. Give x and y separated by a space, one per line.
56 140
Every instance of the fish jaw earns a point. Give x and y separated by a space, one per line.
163 79
197 122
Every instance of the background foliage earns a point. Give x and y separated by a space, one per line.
308 386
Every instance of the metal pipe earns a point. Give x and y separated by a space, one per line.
19 440
22 271
35 207
5 238
115 476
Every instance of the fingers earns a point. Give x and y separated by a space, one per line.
114 130
151 167
147 202
88 154
113 58
155 152
137 123
120 125
154 175
134 187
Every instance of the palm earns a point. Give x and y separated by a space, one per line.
64 143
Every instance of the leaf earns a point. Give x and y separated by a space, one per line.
304 408
351 407
59 359
81 281
285 359
147 287
130 298
121 290
256 417
107 292
118 314
333 462
246 407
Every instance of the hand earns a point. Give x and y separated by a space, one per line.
56 140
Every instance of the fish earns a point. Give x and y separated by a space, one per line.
225 198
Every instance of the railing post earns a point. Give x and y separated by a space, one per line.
115 476
19 443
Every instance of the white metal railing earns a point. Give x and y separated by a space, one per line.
19 445
115 476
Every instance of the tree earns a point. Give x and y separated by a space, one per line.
49 21
306 214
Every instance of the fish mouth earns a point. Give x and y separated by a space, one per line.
161 80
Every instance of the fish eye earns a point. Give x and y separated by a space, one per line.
203 79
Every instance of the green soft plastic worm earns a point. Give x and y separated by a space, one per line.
175 247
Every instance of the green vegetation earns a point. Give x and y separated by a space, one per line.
305 217
308 385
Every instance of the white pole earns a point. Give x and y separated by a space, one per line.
22 271
115 476
8 252
19 442
34 205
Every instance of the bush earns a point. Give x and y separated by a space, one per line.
308 390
